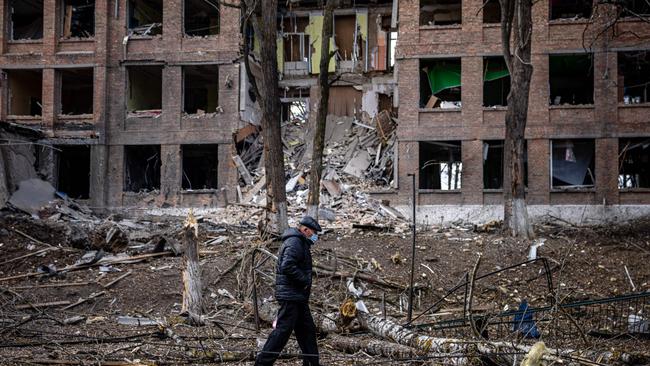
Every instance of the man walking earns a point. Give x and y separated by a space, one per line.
292 289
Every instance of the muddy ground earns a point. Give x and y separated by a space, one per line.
585 264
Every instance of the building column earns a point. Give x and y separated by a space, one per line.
50 99
228 176
606 170
170 173
472 174
172 96
538 172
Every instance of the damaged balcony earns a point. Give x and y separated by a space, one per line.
351 41
25 93
201 18
144 92
200 168
634 163
142 164
76 96
145 18
78 20
440 166
201 91
572 164
72 170
26 21
440 12
440 84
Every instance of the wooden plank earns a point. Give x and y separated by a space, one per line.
67 22
242 170
42 305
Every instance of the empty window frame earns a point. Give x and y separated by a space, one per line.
440 83
570 9
73 170
201 18
634 163
440 12
25 92
636 8
142 168
200 89
440 165
496 82
26 19
145 17
76 91
344 31
78 19
200 166
634 77
571 79
295 105
573 163
144 88
492 12
493 160
296 41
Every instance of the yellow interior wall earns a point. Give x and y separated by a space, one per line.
280 52
315 30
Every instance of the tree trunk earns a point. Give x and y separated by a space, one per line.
313 200
372 347
192 288
516 15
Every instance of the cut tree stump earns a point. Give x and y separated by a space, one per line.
192 305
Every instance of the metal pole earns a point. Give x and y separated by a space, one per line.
410 309
255 309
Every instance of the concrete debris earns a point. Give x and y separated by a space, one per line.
32 195
136 321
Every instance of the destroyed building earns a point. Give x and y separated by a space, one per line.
588 131
127 103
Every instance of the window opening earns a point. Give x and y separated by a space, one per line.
201 18
76 91
25 92
145 17
634 77
142 168
78 19
636 8
440 165
634 163
496 82
201 89
440 12
570 9
440 83
492 12
572 163
571 79
493 164
73 170
26 19
144 91
200 166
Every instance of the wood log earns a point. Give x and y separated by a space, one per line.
192 288
372 347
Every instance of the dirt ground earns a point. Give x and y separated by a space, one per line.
585 264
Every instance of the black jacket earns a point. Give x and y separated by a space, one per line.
293 272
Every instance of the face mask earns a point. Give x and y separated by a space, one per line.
313 238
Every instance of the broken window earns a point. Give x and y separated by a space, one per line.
571 79
145 17
493 155
634 77
142 168
636 8
573 163
570 9
144 89
201 89
344 30
26 19
491 12
73 170
25 92
296 41
634 163
496 82
440 165
200 166
440 12
78 19
76 91
201 17
440 83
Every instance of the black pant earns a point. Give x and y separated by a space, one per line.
292 316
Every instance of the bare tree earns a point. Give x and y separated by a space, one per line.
516 35
313 200
262 17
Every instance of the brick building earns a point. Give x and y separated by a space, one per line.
588 132
142 96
